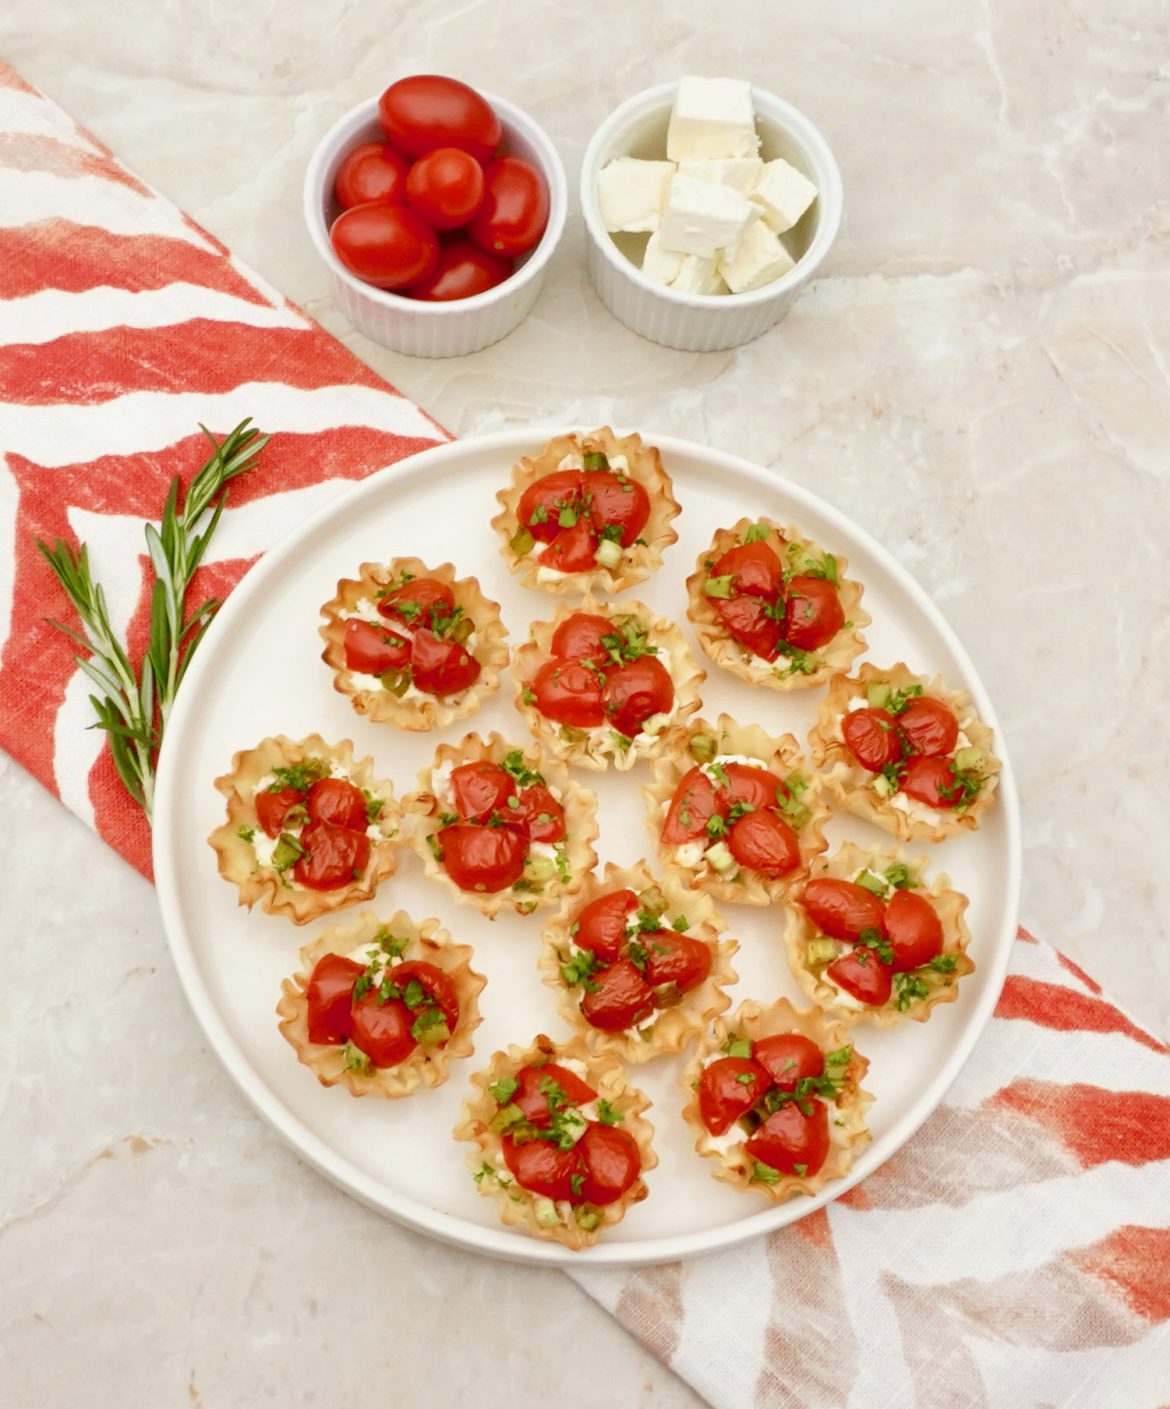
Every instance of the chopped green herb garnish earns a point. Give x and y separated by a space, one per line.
680 924
943 963
737 1046
764 1174
718 586
514 764
299 776
756 533
503 1090
246 833
608 1114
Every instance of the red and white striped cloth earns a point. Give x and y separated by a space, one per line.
1015 1254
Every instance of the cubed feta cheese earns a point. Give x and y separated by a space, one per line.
631 193
712 117
740 173
660 264
784 194
699 275
759 259
701 218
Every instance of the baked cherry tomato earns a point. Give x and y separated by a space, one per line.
789 1138
747 619
764 842
418 602
616 502
862 973
463 271
329 996
541 814
441 666
930 781
619 998
541 503
928 727
382 1030
386 245
427 110
870 736
694 803
337 801
634 691
481 788
724 1097
601 925
537 1083
371 649
333 856
842 909
542 1168
754 569
271 808
573 550
439 988
371 172
677 959
514 212
612 1163
568 692
789 1057
813 616
445 187
579 638
483 858
913 929
756 786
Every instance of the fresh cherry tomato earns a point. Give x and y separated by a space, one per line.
616 501
382 1030
789 1057
928 727
541 503
842 909
439 988
764 842
480 789
483 858
862 973
931 781
333 856
789 1138
568 692
619 998
271 808
337 801
913 929
371 172
329 996
386 245
543 1169
579 638
756 786
441 666
427 110
371 650
541 814
445 187
418 602
573 550
754 569
869 735
747 620
612 1163
515 206
724 1097
463 271
813 616
634 691
677 959
601 925
532 1091
694 803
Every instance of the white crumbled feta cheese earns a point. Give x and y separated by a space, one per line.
915 810
544 574
690 853
727 1141
699 275
784 194
263 845
631 193
712 117
659 263
574 460
704 219
441 784
620 464
760 259
740 173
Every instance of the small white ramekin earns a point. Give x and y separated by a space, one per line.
415 326
706 322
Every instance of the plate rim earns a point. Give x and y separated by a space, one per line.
497 1241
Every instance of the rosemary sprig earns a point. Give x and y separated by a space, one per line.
133 707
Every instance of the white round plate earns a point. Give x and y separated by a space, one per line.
259 672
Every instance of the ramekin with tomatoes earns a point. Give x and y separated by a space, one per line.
412 645
382 1007
774 608
638 963
560 1140
503 826
905 752
774 1098
870 940
309 827
600 683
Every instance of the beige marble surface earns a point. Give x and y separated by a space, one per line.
982 377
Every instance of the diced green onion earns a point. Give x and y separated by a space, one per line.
397 681
874 884
540 868
434 1034
286 851
970 760
878 695
703 748
521 542
820 951
719 856
717 586
571 735
567 517
883 786
596 460
505 1117
463 630
653 900
608 553
739 1047
588 1218
546 1212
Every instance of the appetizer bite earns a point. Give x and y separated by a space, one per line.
590 513
773 608
381 1006
599 684
905 752
775 1100
869 940
502 826
413 646
309 828
560 1140
637 963
735 812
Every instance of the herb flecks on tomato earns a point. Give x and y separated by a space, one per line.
584 518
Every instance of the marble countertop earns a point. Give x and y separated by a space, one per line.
982 377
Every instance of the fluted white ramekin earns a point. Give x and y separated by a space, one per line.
706 322
415 326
